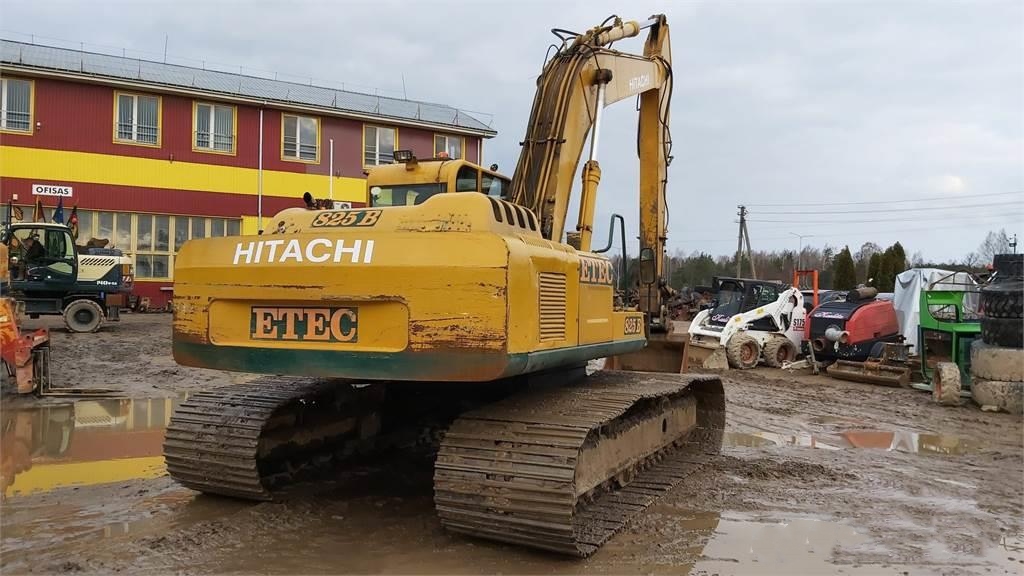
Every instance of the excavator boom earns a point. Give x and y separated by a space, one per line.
583 77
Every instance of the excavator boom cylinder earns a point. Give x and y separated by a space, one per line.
625 30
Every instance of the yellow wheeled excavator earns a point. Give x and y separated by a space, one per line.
454 289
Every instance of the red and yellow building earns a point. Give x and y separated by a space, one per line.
154 154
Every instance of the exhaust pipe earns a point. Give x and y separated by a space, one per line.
866 293
834 334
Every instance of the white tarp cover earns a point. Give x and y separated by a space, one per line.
907 298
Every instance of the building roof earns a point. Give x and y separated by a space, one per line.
97 67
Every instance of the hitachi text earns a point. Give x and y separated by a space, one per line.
317 251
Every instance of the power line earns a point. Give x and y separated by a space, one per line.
859 230
865 202
932 218
946 217
887 210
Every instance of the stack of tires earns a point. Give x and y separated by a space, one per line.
997 360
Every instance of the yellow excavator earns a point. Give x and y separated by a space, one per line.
451 304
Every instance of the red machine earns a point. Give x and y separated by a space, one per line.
851 328
26 357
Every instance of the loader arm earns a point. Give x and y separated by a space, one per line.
584 76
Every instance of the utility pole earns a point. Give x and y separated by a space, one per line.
739 241
1013 243
750 253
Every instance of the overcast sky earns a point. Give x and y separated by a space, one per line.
776 103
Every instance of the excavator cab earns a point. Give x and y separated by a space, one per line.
411 181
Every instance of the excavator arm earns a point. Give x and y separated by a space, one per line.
583 77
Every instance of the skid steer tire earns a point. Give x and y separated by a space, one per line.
1007 332
997 362
1006 396
946 384
1005 300
778 351
743 352
83 316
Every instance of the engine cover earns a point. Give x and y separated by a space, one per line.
865 323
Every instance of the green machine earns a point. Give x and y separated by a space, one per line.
950 321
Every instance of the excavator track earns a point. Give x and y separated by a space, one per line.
244 440
522 470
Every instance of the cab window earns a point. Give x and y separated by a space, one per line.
406 194
467 179
765 294
57 245
495 186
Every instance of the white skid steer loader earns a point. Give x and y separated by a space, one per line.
749 320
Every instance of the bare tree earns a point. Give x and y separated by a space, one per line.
995 243
862 259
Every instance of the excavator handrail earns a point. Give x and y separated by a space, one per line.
611 238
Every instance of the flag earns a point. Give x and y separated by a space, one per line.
38 215
18 214
73 222
58 213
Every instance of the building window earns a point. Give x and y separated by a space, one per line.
301 138
138 119
189 228
378 145
116 228
16 105
85 227
214 128
451 145
152 246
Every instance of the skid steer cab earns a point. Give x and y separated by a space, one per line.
749 321
50 275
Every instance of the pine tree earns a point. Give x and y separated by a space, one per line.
899 261
874 268
844 276
886 276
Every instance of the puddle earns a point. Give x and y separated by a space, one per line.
912 442
82 443
777 545
835 421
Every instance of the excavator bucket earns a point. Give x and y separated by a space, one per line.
663 353
674 352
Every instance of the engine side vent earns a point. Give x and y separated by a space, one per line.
552 306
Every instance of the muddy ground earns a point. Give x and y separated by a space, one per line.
818 476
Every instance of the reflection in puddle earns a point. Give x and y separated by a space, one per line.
82 443
777 545
912 442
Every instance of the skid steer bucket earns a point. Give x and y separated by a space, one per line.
705 355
